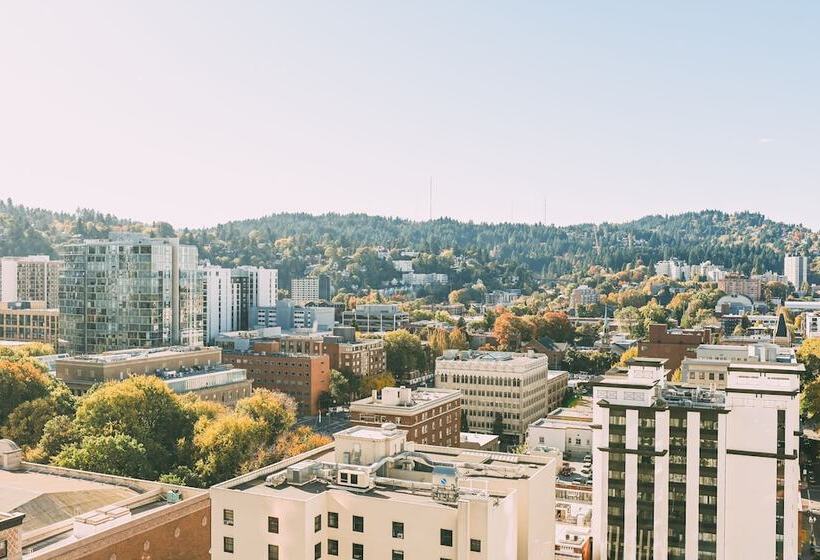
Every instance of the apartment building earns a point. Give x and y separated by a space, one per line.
361 357
54 513
129 291
503 298
423 279
220 302
184 369
31 278
304 290
429 416
710 366
376 317
688 473
796 270
734 284
301 376
583 295
255 288
30 321
372 494
504 387
673 345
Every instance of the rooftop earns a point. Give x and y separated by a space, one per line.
489 356
136 354
405 398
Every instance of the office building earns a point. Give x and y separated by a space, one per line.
255 288
32 278
220 302
736 284
301 376
583 295
304 290
500 391
184 370
52 513
688 473
290 316
796 270
376 317
673 345
371 494
130 291
429 416
30 321
710 366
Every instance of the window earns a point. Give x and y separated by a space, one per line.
273 552
398 530
227 544
273 524
333 547
475 545
227 517
317 551
398 555
358 551
358 524
446 537
317 523
333 519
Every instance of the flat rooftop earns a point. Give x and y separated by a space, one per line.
135 354
513 358
391 397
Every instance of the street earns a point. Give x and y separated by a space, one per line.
330 424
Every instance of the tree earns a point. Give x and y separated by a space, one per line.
508 330
340 388
26 422
498 424
326 400
276 411
810 400
628 354
377 382
809 355
294 442
404 352
630 319
438 341
144 408
58 432
457 340
558 327
21 380
225 445
117 454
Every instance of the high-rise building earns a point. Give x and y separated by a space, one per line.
734 284
374 495
691 473
501 391
220 301
583 295
32 278
256 288
130 291
796 270
304 290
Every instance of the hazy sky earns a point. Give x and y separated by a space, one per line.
201 112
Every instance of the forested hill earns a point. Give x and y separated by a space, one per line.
744 241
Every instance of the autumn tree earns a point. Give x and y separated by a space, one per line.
21 380
457 340
276 411
809 355
404 352
558 327
377 382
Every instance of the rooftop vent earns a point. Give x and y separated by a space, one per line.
302 473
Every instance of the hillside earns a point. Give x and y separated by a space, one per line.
496 253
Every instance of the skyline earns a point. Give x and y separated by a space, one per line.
209 114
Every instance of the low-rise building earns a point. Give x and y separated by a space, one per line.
568 430
423 279
483 442
502 392
376 317
583 295
301 376
673 345
710 366
429 416
373 494
30 321
811 325
573 521
53 513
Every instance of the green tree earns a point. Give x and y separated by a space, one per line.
58 432
21 380
809 355
117 454
404 352
276 411
225 444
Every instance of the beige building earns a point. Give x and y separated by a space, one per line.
30 321
568 430
52 513
429 416
184 369
32 278
710 367
501 386
373 495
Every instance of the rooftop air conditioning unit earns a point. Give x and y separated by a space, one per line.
302 473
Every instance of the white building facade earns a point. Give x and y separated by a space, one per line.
796 270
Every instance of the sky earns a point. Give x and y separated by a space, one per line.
201 112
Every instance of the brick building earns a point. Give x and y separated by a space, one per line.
53 513
737 284
673 345
430 416
347 354
302 376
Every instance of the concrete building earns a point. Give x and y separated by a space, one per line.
811 325
241 341
301 376
32 278
583 295
673 268
710 366
54 513
423 279
736 284
673 345
566 429
372 494
130 291
304 290
796 270
30 321
255 288
483 442
220 302
429 416
376 317
290 315
184 369
573 521
499 386
503 298
687 473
